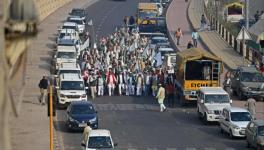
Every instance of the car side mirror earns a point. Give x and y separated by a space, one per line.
115 144
202 101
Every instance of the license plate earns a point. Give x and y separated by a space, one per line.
82 124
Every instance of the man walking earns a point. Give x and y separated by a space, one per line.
92 83
195 37
178 35
170 94
203 22
251 106
43 86
140 83
100 84
111 81
161 96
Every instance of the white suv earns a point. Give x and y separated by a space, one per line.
69 33
65 54
80 23
70 88
68 68
234 121
211 101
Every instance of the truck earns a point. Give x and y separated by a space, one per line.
195 68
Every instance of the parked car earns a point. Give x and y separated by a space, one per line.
234 120
98 139
80 23
79 113
210 103
247 81
255 134
79 12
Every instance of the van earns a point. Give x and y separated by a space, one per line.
210 103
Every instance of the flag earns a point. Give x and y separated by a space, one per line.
132 47
90 23
158 59
145 51
85 45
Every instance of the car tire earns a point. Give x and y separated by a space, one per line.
221 130
248 144
205 119
231 134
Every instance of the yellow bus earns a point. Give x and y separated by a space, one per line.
146 10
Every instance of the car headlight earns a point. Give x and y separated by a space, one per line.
83 96
62 95
236 127
245 88
93 119
72 120
210 112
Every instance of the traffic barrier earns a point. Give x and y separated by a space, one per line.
46 7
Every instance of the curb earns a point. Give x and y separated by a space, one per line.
170 36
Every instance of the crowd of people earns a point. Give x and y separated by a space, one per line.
123 64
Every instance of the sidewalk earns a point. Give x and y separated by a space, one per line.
211 39
31 129
179 20
180 14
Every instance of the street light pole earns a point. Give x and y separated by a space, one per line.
247 11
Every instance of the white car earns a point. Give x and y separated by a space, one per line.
65 54
158 40
70 88
234 121
69 25
98 139
80 23
210 103
68 33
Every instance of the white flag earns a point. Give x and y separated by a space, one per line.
158 59
145 51
90 23
85 44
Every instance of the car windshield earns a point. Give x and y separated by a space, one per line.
66 55
72 85
147 14
224 98
69 27
155 41
79 22
240 116
70 71
261 130
99 142
82 109
77 12
252 77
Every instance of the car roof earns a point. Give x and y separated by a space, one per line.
159 37
69 65
75 18
259 122
213 90
99 132
70 77
69 24
248 69
167 49
236 109
66 48
81 103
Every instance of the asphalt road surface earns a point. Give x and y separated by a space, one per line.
135 122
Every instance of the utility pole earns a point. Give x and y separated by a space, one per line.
247 11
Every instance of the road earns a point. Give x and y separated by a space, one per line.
135 122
